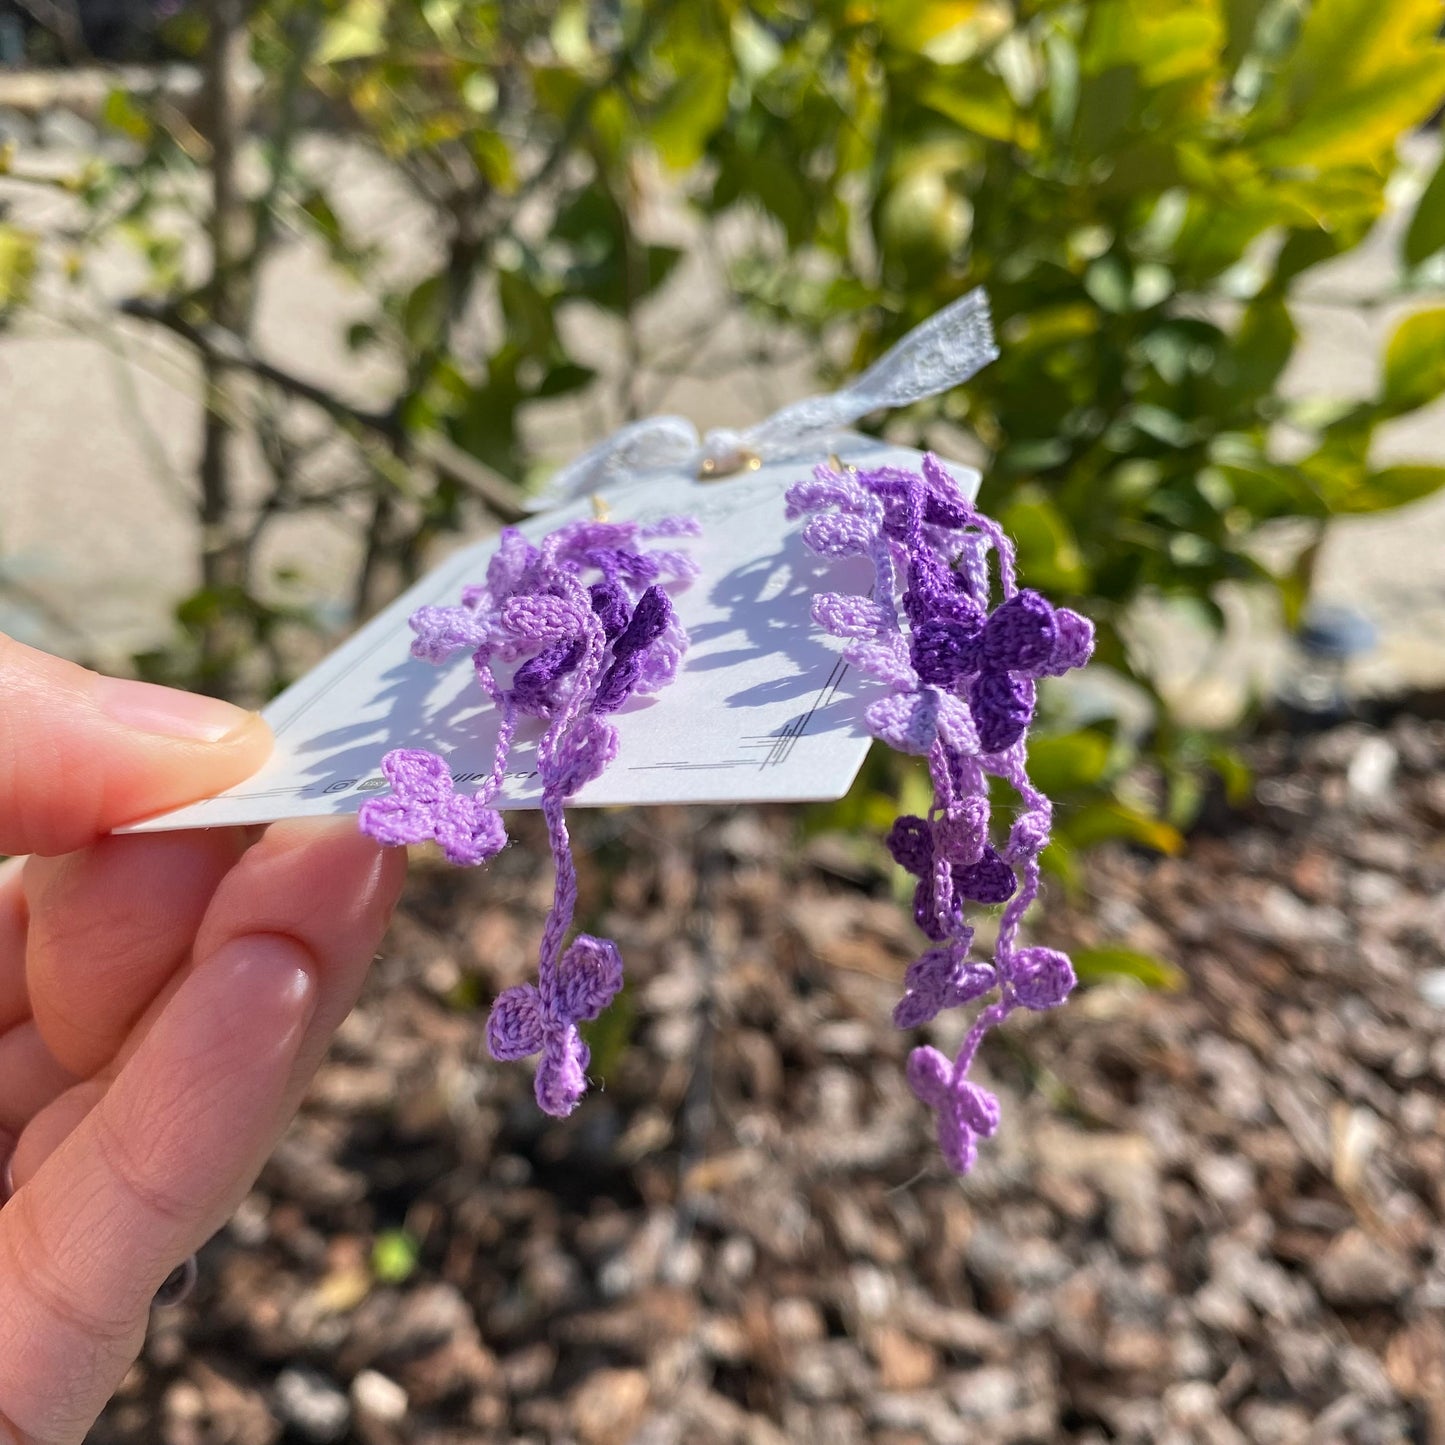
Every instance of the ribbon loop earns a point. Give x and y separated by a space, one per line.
943 352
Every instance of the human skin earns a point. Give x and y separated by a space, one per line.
164 1000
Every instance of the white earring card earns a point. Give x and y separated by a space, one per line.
762 710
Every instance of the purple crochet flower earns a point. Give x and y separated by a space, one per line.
424 805
938 911
527 1020
963 1112
582 650
962 688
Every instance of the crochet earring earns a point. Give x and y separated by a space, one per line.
962 671
586 618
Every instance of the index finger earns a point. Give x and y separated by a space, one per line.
161 1160
82 754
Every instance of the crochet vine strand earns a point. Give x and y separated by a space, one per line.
581 650
962 677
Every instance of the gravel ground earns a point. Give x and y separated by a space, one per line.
1213 1215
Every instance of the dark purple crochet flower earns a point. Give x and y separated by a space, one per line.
424 806
942 978
528 1020
649 620
987 880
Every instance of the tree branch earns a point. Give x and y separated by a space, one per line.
225 348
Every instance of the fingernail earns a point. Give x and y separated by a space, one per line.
178 1286
272 978
169 712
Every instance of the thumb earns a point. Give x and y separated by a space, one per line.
81 754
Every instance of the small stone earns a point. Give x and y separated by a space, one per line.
1136 1348
903 1363
527 1370
797 1319
1356 1273
311 1404
1229 1181
1371 771
1270 1424
375 1397
608 1406
986 1393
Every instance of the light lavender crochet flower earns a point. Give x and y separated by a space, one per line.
962 676
579 649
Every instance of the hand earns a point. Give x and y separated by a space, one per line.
164 999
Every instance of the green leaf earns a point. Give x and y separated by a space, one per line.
1360 76
684 122
17 265
358 32
1262 346
1415 361
1048 553
980 102
122 114
1097 965
1106 820
1163 42
1426 234
1389 487
1066 763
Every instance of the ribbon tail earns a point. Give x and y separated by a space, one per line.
937 355
655 441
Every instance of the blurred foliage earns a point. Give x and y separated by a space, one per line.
394 1256
1137 182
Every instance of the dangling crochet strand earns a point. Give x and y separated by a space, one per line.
963 687
583 650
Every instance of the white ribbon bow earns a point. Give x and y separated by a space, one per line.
944 351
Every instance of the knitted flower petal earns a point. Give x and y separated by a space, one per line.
562 1074
1021 634
618 683
942 652
1002 707
588 978
962 834
977 1108
417 775
395 822
660 663
609 602
582 755
835 534
884 658
532 684
956 1142
514 1029
649 618
1041 977
1073 644
970 981
930 1076
469 831
910 841
842 615
906 721
443 631
990 880
925 989
532 621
